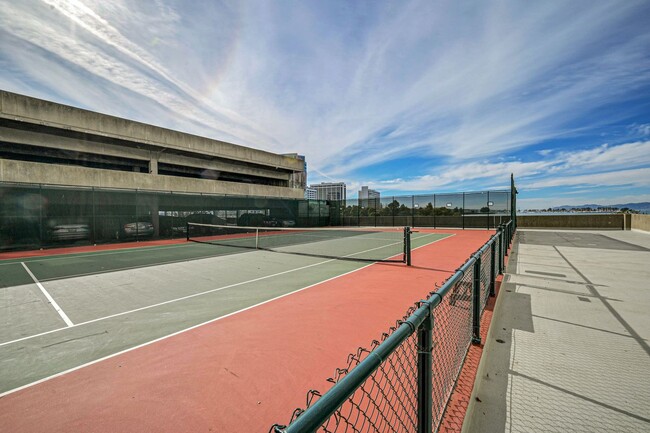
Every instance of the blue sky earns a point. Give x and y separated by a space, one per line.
404 96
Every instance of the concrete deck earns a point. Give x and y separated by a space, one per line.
567 349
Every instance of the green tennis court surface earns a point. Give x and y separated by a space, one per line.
60 312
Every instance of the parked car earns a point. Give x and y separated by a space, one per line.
270 222
257 220
288 223
179 230
251 219
68 232
138 229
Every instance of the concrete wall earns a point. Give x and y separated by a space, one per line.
54 174
154 157
640 222
37 111
576 221
29 121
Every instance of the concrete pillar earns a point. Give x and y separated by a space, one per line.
153 166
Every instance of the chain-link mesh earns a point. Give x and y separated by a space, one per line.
387 399
486 264
452 334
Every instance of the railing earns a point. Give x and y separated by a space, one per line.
404 382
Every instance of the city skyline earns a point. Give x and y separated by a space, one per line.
407 98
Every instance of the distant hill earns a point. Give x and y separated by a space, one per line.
641 207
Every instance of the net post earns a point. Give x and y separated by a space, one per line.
407 245
425 373
476 302
493 250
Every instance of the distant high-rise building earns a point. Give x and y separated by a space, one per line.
369 197
311 193
330 191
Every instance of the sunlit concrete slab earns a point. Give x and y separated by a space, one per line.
568 347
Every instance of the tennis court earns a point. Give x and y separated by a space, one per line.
212 350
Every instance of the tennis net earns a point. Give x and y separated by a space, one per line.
358 244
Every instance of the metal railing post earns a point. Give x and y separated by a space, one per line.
493 251
507 239
476 302
501 238
425 374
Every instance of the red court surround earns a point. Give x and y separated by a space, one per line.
242 373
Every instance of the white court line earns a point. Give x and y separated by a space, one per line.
179 332
176 299
92 253
130 268
432 242
49 298
195 294
191 327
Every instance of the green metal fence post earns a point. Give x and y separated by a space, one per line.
358 215
41 231
425 374
412 211
94 232
476 301
493 250
488 210
434 211
137 233
501 239
463 212
506 239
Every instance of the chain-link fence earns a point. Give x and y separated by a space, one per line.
403 382
484 209
36 216
486 275
42 216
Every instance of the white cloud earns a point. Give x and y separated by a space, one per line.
638 177
586 198
643 129
352 86
325 81
625 164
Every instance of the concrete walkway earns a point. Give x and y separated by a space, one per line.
567 349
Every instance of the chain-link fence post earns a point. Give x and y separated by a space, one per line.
476 301
425 374
501 239
493 250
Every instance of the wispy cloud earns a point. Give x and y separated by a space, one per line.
625 164
473 93
642 130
